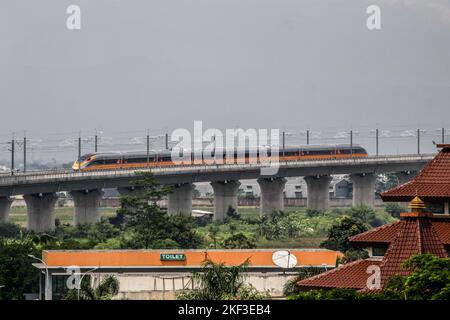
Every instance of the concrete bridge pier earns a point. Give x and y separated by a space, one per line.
5 207
318 192
363 189
225 196
272 196
41 211
179 201
86 205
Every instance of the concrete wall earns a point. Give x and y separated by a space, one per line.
163 287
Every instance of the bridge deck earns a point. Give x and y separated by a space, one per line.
60 180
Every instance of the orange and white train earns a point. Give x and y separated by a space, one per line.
132 160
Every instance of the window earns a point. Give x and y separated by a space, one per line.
378 251
136 160
435 207
291 153
110 161
95 162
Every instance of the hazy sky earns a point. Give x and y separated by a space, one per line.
139 64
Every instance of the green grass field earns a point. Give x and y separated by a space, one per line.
65 215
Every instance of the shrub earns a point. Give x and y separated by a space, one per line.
10 230
394 209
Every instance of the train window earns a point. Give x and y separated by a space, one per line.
95 163
110 161
85 157
136 160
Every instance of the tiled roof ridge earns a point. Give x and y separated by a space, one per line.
402 186
391 264
339 268
434 237
420 235
392 247
374 230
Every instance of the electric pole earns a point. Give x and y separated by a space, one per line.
351 142
25 153
96 141
12 154
377 141
418 141
79 146
148 148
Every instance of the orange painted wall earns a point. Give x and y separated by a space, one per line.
193 257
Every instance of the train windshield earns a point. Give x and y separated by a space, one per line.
84 157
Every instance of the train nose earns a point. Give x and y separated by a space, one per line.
75 166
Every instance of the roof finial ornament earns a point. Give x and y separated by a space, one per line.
416 204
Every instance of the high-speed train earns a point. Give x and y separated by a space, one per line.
131 160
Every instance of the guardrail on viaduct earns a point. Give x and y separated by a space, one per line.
379 163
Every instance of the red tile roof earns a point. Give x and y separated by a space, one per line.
388 232
351 275
443 230
384 234
432 182
414 234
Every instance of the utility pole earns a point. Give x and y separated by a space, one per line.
148 148
351 142
96 141
12 154
24 153
79 146
377 141
167 141
284 141
307 136
443 135
418 141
